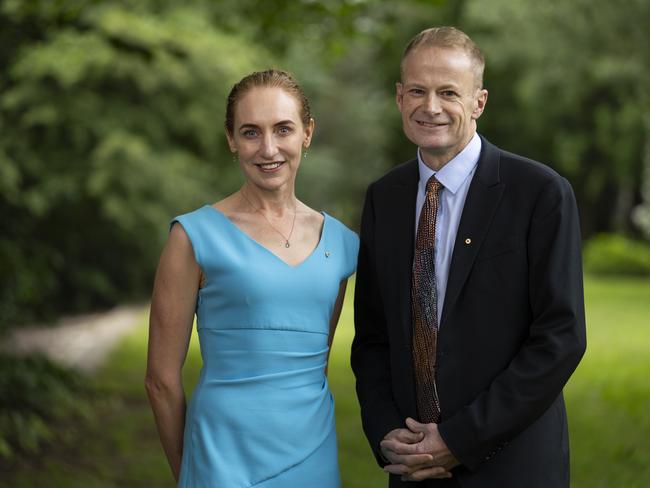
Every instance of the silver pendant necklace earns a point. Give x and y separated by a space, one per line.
259 210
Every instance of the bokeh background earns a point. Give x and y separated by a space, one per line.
111 123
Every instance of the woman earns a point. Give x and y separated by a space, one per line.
266 276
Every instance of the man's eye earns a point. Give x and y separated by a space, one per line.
416 91
250 133
284 130
448 93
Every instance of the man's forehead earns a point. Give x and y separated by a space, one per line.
436 55
439 62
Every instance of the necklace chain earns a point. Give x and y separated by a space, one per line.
259 210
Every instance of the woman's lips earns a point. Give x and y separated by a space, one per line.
270 167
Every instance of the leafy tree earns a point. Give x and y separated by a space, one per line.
111 122
570 88
641 214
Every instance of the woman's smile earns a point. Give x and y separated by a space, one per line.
270 167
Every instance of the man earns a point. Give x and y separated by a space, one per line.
469 309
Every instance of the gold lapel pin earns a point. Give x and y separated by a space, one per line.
468 241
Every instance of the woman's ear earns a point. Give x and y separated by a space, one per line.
309 132
231 142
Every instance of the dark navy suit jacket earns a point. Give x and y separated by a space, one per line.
512 329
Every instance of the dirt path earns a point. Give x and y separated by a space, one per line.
81 342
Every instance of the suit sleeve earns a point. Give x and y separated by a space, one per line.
555 344
370 348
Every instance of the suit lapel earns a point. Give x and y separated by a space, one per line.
483 197
397 236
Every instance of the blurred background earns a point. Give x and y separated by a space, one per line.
111 123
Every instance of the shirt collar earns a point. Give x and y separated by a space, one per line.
455 172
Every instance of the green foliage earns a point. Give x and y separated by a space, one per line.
111 124
568 85
641 214
612 254
349 147
35 394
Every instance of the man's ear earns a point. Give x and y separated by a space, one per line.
481 101
399 94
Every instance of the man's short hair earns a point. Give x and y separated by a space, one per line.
448 37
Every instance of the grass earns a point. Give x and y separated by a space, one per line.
608 400
358 466
608 397
118 446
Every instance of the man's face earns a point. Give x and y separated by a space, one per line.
439 101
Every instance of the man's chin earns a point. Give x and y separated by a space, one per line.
437 145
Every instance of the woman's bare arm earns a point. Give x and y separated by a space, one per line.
336 314
170 326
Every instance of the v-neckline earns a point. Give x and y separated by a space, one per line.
249 238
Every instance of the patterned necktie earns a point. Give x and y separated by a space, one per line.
424 302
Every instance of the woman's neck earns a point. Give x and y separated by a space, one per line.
274 202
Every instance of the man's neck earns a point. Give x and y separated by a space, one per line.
436 160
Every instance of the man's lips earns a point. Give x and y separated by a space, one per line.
430 125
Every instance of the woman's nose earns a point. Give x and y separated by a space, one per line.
269 147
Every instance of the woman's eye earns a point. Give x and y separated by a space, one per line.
250 133
284 130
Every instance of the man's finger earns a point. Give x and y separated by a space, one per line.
410 437
415 426
427 473
398 469
404 469
411 460
399 447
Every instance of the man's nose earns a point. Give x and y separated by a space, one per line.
432 104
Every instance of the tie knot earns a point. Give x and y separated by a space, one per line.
433 185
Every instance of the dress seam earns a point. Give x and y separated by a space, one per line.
288 468
274 329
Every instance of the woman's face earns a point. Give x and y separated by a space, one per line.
269 136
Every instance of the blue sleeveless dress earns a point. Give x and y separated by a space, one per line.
262 414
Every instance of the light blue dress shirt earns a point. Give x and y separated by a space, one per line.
455 177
